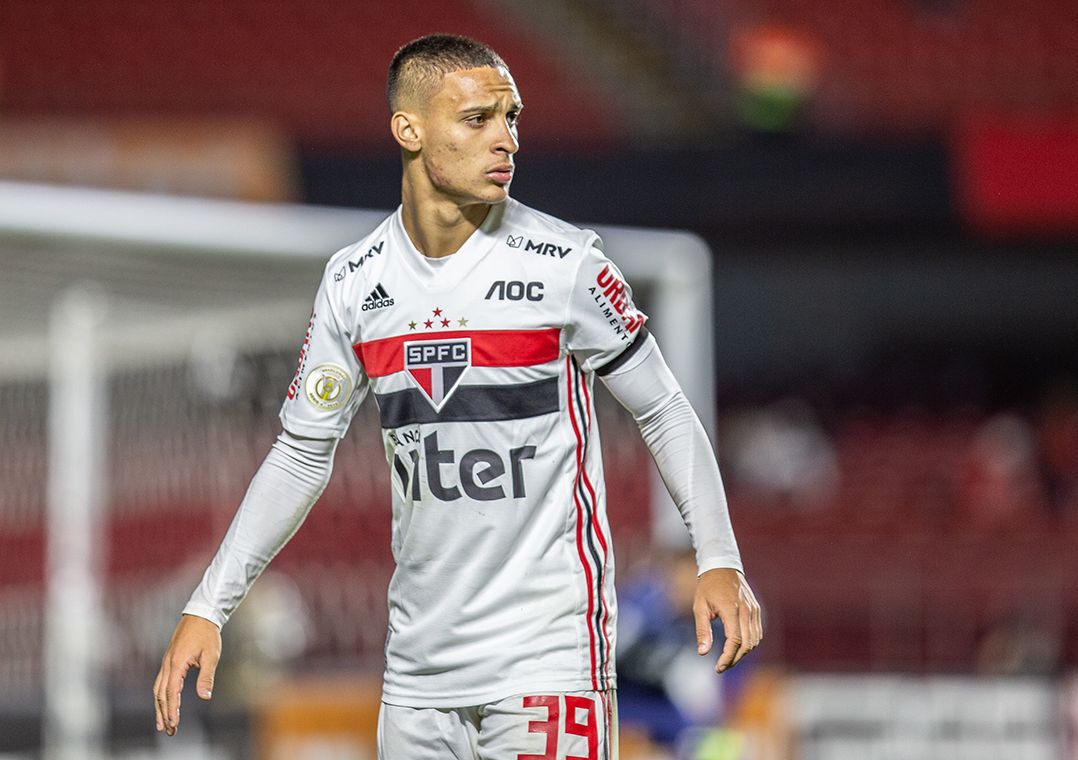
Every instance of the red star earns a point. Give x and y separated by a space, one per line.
428 324
445 323
437 312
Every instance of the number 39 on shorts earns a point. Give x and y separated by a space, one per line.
572 726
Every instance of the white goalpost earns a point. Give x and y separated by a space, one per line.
151 376
74 645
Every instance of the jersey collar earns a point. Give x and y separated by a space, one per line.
448 272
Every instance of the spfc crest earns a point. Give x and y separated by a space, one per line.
436 366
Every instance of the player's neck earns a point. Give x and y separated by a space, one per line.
439 227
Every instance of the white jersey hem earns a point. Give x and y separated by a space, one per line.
471 699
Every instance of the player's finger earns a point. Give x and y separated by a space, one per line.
731 627
159 719
744 623
161 700
704 637
206 668
757 619
173 690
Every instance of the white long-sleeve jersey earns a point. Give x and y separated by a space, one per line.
482 365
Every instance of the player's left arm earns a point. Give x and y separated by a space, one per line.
644 385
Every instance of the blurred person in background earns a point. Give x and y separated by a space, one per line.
662 687
479 324
782 454
1000 485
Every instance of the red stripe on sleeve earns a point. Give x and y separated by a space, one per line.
490 348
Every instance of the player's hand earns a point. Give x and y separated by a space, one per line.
195 642
725 594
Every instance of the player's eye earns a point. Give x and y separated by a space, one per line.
476 121
513 117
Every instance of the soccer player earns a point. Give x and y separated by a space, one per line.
479 325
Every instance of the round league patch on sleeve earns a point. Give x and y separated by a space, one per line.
328 386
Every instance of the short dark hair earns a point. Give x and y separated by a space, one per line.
420 65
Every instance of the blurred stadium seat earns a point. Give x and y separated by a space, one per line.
905 65
305 67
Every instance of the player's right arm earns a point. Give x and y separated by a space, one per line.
324 395
282 492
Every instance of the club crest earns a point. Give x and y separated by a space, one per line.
436 366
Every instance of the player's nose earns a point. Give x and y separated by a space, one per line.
506 141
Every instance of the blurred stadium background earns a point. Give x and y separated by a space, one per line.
889 192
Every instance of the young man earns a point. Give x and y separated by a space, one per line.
479 325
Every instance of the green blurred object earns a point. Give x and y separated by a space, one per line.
713 744
769 109
777 70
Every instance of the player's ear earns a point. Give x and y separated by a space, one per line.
406 131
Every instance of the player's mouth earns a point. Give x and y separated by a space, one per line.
502 174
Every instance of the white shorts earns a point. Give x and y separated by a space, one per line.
579 725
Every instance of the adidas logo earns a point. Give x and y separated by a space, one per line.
377 299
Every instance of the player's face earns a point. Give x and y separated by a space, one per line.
470 135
